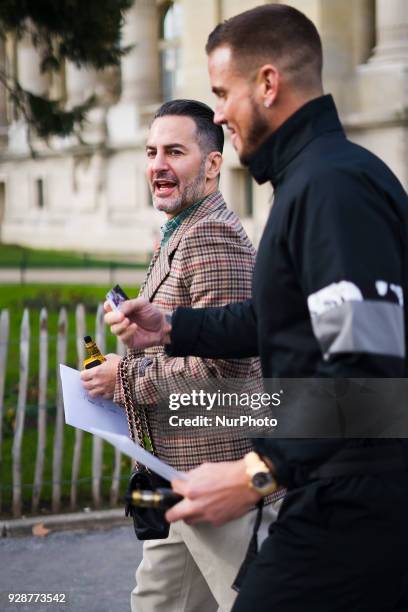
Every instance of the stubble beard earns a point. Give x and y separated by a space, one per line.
193 192
256 135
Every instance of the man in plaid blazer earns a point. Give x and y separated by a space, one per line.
205 259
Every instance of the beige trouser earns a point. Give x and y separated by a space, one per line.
193 569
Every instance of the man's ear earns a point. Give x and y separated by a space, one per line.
213 164
269 80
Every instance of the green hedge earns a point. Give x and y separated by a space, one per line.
14 256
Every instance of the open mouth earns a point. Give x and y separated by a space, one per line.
164 187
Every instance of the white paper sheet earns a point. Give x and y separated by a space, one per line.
106 420
86 412
128 447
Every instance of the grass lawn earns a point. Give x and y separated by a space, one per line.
12 255
53 297
85 474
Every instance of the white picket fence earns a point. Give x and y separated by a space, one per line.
58 442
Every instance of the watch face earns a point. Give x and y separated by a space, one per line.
261 479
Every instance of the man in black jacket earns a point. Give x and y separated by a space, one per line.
328 301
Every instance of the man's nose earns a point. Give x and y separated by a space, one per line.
219 117
160 162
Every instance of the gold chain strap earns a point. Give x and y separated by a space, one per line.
137 420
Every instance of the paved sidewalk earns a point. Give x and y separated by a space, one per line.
81 276
95 569
90 556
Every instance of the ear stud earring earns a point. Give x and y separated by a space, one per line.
266 103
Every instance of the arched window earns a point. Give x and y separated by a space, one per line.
169 45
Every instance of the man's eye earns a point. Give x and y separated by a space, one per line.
176 152
150 154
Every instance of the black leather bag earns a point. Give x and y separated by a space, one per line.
149 523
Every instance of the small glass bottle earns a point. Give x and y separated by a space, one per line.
95 356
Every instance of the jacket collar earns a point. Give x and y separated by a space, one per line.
159 266
207 206
315 118
170 226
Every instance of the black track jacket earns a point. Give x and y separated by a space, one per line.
330 277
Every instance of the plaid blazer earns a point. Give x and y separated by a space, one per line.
208 261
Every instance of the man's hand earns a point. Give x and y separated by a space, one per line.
100 380
214 493
138 324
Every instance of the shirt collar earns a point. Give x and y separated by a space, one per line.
168 228
277 151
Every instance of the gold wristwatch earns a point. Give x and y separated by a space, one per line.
260 476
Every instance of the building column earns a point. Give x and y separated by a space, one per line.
392 32
201 17
384 78
3 98
140 73
31 79
81 84
140 67
29 68
380 120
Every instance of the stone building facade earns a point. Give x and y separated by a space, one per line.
94 196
